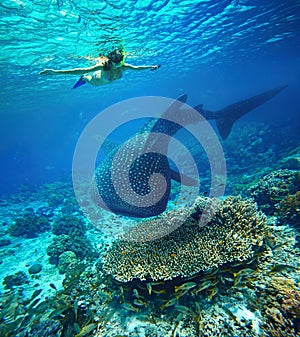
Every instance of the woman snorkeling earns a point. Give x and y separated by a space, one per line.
108 68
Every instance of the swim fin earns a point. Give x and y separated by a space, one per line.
79 83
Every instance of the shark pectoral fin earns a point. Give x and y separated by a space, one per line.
183 179
224 126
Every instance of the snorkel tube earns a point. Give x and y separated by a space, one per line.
123 59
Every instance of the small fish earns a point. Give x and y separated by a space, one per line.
225 279
159 291
141 286
169 303
122 293
147 318
252 302
139 303
211 272
32 304
185 310
130 307
197 304
204 285
86 329
185 286
76 327
157 283
229 313
213 292
277 268
136 293
237 280
181 293
177 321
35 294
59 312
149 288
106 294
243 272
52 285
9 319
42 306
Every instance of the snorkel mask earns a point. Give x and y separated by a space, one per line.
117 57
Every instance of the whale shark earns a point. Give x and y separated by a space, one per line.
128 180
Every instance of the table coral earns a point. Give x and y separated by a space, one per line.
232 235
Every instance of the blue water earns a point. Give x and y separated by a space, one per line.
215 51
60 256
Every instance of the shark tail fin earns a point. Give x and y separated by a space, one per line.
229 115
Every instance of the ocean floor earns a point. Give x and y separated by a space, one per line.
59 273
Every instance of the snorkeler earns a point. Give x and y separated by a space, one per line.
108 68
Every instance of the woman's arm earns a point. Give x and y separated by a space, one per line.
127 66
75 71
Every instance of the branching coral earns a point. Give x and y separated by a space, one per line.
231 235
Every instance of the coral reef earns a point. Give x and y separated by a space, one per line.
257 150
14 280
67 260
291 160
232 235
29 225
70 232
237 276
69 225
60 244
217 323
281 308
288 210
270 189
46 328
